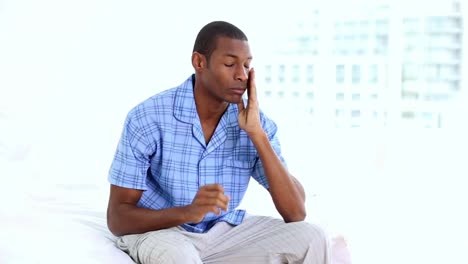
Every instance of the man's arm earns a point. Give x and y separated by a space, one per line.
286 191
124 217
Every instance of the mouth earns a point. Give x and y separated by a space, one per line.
238 90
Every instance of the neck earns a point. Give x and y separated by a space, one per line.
208 108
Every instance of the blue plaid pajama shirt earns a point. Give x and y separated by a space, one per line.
162 151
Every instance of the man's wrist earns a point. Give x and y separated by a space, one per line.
185 213
257 136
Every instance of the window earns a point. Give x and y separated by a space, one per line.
408 115
381 44
373 73
339 113
355 113
340 73
310 73
296 73
281 73
410 72
339 96
449 71
362 44
268 73
381 26
364 25
456 6
356 74
411 25
356 97
427 115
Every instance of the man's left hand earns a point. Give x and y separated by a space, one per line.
249 117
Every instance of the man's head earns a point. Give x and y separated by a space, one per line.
205 43
221 59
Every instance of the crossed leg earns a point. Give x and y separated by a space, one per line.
259 239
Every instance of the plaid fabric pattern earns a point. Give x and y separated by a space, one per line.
162 151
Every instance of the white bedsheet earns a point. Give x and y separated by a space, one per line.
54 230
395 201
65 223
54 194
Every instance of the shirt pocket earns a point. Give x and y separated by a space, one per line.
239 164
236 176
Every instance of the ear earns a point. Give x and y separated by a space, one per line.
198 61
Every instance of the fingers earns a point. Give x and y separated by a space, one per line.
241 105
212 195
209 198
251 91
212 187
217 202
214 210
252 88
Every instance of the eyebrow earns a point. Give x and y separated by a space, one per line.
235 56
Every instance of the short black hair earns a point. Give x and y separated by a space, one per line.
205 42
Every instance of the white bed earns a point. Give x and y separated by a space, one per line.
396 196
61 225
53 219
53 229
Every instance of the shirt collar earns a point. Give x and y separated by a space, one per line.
185 109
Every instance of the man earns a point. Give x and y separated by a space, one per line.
184 162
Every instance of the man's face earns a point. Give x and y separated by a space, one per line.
226 75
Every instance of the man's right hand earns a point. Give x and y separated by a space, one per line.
209 198
125 217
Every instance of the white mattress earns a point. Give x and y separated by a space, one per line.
55 229
395 201
54 202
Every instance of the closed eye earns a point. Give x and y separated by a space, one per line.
228 65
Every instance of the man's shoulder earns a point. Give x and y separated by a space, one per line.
268 124
159 101
151 109
264 117
162 98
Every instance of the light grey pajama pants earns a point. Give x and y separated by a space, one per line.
259 239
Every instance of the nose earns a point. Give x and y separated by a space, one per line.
242 74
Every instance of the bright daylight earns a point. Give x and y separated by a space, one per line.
370 99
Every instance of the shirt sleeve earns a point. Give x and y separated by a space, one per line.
132 157
270 128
